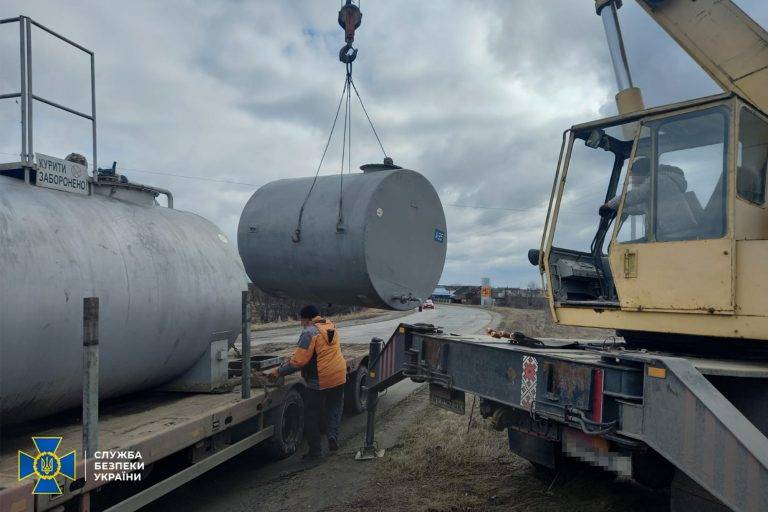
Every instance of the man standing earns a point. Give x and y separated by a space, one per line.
318 356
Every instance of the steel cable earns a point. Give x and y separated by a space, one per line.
365 111
297 234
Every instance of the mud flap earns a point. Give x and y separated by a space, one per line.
448 399
534 449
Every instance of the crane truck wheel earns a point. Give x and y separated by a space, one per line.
288 420
356 397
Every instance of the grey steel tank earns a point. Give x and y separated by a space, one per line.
388 251
167 282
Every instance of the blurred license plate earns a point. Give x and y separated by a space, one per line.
448 399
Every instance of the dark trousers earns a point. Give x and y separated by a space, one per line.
324 408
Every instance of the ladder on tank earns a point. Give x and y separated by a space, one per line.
25 167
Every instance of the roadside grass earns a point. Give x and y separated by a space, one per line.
444 463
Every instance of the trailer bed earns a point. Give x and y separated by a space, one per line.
157 424
707 366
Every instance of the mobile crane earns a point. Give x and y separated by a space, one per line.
683 266
681 401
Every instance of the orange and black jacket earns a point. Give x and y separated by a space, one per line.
318 356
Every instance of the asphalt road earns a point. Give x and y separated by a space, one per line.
452 318
245 483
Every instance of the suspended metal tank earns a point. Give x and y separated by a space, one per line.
385 250
169 283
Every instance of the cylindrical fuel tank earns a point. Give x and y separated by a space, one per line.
168 282
388 252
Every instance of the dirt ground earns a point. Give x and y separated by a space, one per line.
538 323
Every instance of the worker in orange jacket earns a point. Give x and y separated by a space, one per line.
318 356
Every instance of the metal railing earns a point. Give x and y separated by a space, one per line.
28 97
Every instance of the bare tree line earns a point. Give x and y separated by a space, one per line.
266 308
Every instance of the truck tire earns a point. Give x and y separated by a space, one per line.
288 420
356 397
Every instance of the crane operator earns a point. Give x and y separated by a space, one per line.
675 217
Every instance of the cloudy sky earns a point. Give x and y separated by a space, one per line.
473 94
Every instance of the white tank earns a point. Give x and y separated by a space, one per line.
167 281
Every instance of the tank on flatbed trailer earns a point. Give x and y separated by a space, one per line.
168 285
697 424
180 436
169 281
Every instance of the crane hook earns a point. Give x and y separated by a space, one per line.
350 18
347 54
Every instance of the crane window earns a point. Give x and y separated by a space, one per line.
589 173
635 218
752 157
690 178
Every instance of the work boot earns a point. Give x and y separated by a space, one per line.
333 445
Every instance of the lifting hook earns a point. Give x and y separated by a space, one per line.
347 54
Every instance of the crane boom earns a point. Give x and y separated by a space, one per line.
722 39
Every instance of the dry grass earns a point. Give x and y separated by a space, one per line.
445 442
538 323
442 464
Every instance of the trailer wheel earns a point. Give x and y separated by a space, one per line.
288 420
356 396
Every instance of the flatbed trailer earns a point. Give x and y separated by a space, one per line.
696 424
179 436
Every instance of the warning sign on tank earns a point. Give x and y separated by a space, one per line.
61 174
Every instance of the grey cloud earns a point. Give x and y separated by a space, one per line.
475 94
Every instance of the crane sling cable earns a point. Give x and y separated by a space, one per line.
349 19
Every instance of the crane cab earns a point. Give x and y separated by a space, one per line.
657 225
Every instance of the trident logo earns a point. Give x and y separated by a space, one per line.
46 466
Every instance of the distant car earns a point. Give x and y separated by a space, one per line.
428 304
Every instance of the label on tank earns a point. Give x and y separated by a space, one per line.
439 236
61 174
